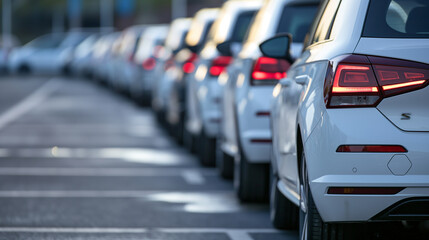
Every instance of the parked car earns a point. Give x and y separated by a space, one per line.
7 44
81 63
145 62
102 56
350 120
245 134
174 42
202 89
48 54
123 61
184 64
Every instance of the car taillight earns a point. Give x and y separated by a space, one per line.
219 64
268 70
149 64
361 81
189 65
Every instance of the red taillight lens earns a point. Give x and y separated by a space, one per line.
149 64
397 80
219 64
361 81
365 190
371 148
189 66
268 70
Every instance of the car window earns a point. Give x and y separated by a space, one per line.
324 27
47 41
397 19
296 20
241 26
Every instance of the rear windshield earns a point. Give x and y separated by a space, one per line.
397 19
296 20
241 26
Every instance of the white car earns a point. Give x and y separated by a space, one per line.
245 135
7 44
164 71
184 64
350 121
123 63
202 88
101 56
145 61
48 54
82 63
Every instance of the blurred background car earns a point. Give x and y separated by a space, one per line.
245 136
349 121
123 62
101 56
7 43
174 42
81 63
145 60
48 54
202 89
184 64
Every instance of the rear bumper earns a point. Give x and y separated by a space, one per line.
253 113
328 168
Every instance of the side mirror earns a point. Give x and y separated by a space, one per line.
225 48
277 46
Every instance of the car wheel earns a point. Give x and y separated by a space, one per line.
207 150
189 141
224 163
251 180
24 69
283 213
311 225
180 129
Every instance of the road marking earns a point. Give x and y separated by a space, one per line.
233 234
193 177
137 155
28 103
238 235
85 193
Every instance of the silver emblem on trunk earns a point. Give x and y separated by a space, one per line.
406 116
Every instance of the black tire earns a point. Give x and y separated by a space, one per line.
180 129
311 225
189 141
224 164
24 69
251 180
316 229
207 150
283 213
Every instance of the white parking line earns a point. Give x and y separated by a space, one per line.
238 235
233 234
85 193
193 177
28 103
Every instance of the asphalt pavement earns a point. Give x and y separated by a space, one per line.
80 162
